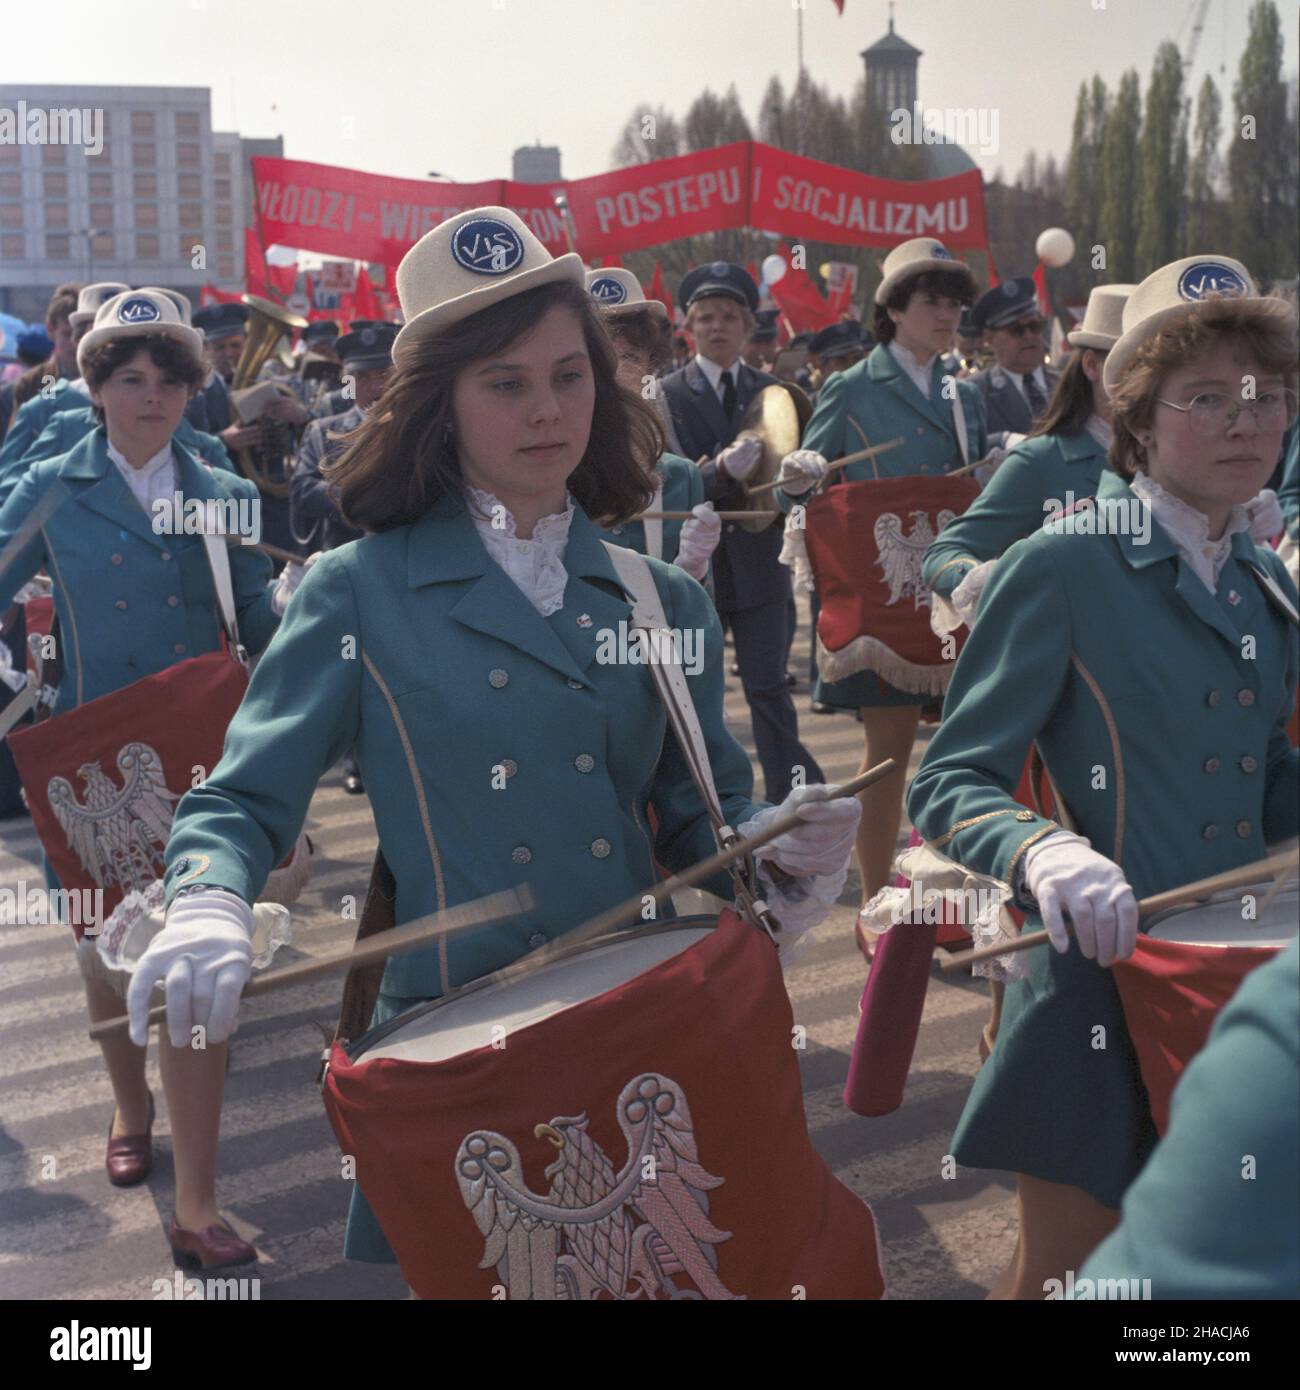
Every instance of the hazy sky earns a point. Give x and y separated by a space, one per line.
399 87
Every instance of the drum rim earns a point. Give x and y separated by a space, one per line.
355 1049
1292 885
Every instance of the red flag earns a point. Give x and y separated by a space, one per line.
656 290
839 5
800 301
365 302
210 294
255 276
283 278
841 302
1040 282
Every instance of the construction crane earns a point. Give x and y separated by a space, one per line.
1196 13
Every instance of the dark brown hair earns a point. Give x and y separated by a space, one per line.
1072 402
63 303
99 363
954 284
1263 331
402 458
645 332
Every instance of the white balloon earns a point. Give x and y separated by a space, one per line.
1054 247
773 268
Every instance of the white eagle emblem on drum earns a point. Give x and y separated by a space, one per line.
119 833
900 555
598 1233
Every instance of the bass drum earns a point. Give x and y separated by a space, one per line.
624 1122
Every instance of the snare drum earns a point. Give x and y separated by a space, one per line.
1185 969
625 1122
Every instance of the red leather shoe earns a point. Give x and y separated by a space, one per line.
866 941
130 1157
211 1248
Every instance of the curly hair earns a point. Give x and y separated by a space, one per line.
955 284
166 353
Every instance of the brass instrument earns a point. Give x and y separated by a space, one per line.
268 464
777 417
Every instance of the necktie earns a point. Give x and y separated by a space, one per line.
1033 394
728 394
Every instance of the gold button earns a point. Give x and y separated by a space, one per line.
509 766
1024 815
521 854
498 678
584 762
1245 698
179 649
121 603
117 559
600 849
1213 698
1211 764
172 600
1209 832
166 555
1243 828
1248 764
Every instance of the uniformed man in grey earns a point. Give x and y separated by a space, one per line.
1017 385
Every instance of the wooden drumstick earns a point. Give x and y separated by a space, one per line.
836 465
686 516
481 912
624 914
1276 866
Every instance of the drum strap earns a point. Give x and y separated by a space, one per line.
361 988
654 527
670 683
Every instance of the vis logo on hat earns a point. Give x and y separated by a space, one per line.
1210 277
467 263
606 290
487 246
91 298
915 257
137 309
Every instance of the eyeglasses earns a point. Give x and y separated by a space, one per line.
1030 327
1213 413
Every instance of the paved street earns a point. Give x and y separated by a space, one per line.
74 1236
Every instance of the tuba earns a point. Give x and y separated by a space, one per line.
268 464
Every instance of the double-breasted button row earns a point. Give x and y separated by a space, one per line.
600 849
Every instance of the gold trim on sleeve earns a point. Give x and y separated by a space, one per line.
1024 845
947 565
974 820
423 804
1113 730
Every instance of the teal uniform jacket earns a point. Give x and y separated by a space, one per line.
1165 731
130 602
499 747
873 402
1288 492
1216 1212
683 486
32 417
69 427
1045 474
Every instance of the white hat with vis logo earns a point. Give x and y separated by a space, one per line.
1102 319
618 291
915 257
467 263
140 314
1167 294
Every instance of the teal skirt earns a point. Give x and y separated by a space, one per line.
1060 1097
364 1239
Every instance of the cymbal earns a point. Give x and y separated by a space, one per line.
773 418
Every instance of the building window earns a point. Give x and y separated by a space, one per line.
11 154
13 247
142 123
187 156
226 267
101 185
146 214
145 185
55 185
221 163
102 245
56 214
146 246
58 246
187 125
54 154
221 188
225 241
144 156
224 218
101 214
11 214
11 185
189 185
189 240
191 214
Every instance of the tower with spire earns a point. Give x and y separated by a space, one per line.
891 69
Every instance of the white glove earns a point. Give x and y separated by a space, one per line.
966 596
739 460
1265 515
204 954
290 577
822 844
801 471
698 540
988 465
1064 873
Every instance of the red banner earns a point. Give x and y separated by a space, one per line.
345 212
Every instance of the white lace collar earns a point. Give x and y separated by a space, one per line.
1100 430
1189 529
535 566
919 371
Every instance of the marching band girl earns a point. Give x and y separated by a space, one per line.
130 602
1096 637
898 390
457 642
642 338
